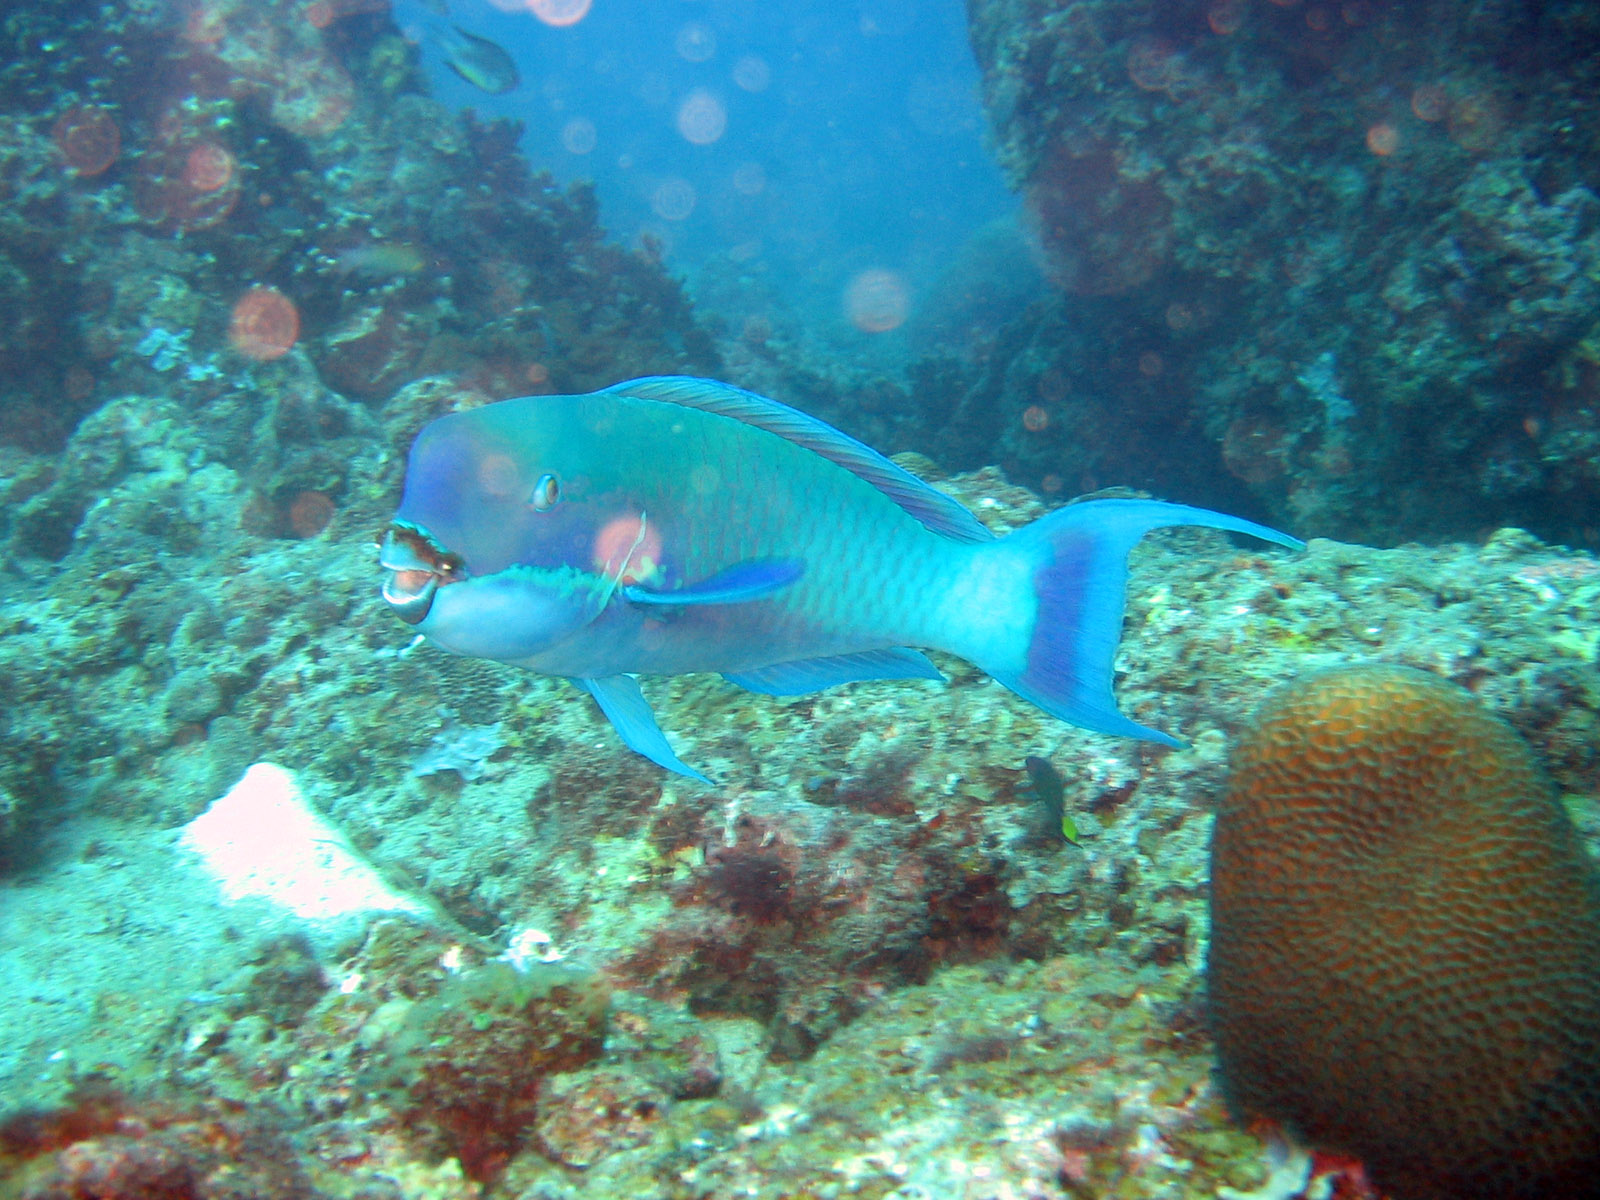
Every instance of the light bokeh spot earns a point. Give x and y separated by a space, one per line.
559 13
674 199
701 118
876 301
265 324
752 73
578 135
695 43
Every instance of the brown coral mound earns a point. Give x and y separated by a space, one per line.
1405 948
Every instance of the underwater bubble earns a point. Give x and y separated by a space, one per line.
559 13
695 43
1383 139
578 135
673 199
265 324
1225 16
1429 102
1153 65
208 167
876 301
701 118
752 73
750 179
88 139
1475 122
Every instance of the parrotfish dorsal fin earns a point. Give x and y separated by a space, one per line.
933 508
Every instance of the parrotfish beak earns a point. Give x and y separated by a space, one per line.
415 565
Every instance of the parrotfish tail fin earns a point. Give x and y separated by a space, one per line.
1080 582
629 712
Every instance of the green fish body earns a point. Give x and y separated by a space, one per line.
674 525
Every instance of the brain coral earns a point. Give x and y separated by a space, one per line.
1405 947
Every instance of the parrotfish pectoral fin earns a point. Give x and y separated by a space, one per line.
814 674
629 712
749 580
1080 582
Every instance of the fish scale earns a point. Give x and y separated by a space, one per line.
795 503
672 525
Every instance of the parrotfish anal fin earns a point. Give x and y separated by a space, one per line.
1079 580
814 674
748 580
933 508
629 712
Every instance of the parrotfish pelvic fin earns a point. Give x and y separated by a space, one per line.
629 712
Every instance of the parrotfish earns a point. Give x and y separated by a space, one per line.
671 525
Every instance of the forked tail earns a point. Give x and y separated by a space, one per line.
1080 577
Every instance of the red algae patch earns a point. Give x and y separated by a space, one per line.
1405 950
309 514
88 138
265 324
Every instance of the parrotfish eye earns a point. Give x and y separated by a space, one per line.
546 493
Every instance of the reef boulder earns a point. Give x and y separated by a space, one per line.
1405 952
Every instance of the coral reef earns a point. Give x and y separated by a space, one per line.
114 1146
221 282
1351 248
1405 941
246 257
470 1059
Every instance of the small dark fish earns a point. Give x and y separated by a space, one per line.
482 63
1048 790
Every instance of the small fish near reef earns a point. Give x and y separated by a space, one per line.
1048 790
482 63
671 525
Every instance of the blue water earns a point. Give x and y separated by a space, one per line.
774 151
